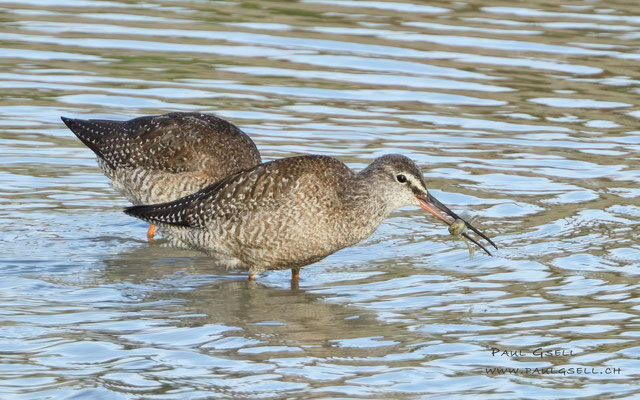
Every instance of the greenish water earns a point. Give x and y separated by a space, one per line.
524 114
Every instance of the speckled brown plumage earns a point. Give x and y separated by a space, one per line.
160 158
290 212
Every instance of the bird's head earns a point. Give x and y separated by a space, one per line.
399 181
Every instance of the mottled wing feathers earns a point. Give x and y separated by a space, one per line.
172 213
242 192
174 142
256 190
214 201
179 212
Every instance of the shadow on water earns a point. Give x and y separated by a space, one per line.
188 285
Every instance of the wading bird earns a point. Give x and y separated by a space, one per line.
292 212
160 158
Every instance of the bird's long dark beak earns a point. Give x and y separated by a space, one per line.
431 204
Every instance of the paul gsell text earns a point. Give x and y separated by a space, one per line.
539 352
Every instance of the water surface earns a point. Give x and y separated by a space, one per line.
525 116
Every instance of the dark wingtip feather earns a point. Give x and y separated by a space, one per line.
143 212
157 214
90 140
133 210
71 123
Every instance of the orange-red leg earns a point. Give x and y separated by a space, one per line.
295 274
152 228
252 277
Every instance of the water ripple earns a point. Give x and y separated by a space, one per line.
525 117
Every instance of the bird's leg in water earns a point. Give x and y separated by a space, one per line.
295 275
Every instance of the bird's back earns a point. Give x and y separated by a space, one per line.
174 142
159 158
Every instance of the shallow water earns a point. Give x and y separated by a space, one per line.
526 116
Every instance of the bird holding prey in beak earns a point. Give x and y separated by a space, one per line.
294 211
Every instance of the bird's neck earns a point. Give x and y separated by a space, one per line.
363 207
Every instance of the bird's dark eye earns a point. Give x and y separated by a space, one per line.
401 178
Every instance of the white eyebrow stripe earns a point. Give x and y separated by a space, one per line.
413 181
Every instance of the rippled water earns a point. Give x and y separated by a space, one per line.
524 114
